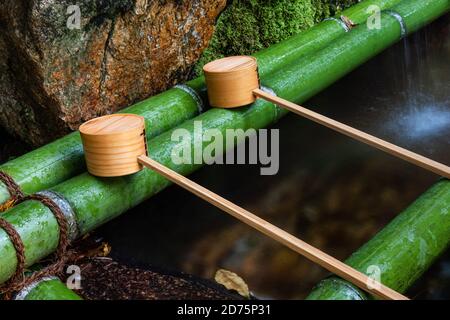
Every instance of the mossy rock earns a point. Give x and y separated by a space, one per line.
247 26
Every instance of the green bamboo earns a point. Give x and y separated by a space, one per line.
96 200
52 289
402 251
63 158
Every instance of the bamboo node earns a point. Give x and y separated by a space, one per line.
66 209
198 100
401 21
25 291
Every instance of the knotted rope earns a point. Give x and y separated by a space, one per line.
18 280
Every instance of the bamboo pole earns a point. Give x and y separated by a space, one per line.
62 159
96 200
317 256
52 289
414 158
401 251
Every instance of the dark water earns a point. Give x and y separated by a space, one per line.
330 191
403 95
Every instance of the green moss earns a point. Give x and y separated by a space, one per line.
247 26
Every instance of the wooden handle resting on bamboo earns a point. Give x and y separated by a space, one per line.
359 135
331 264
233 82
115 146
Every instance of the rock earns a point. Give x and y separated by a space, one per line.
57 71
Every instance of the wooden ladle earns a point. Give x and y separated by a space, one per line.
115 146
233 82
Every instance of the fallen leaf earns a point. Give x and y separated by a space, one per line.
232 281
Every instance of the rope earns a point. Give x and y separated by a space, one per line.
14 190
17 242
17 282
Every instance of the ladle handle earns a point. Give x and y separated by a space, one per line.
331 264
414 158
